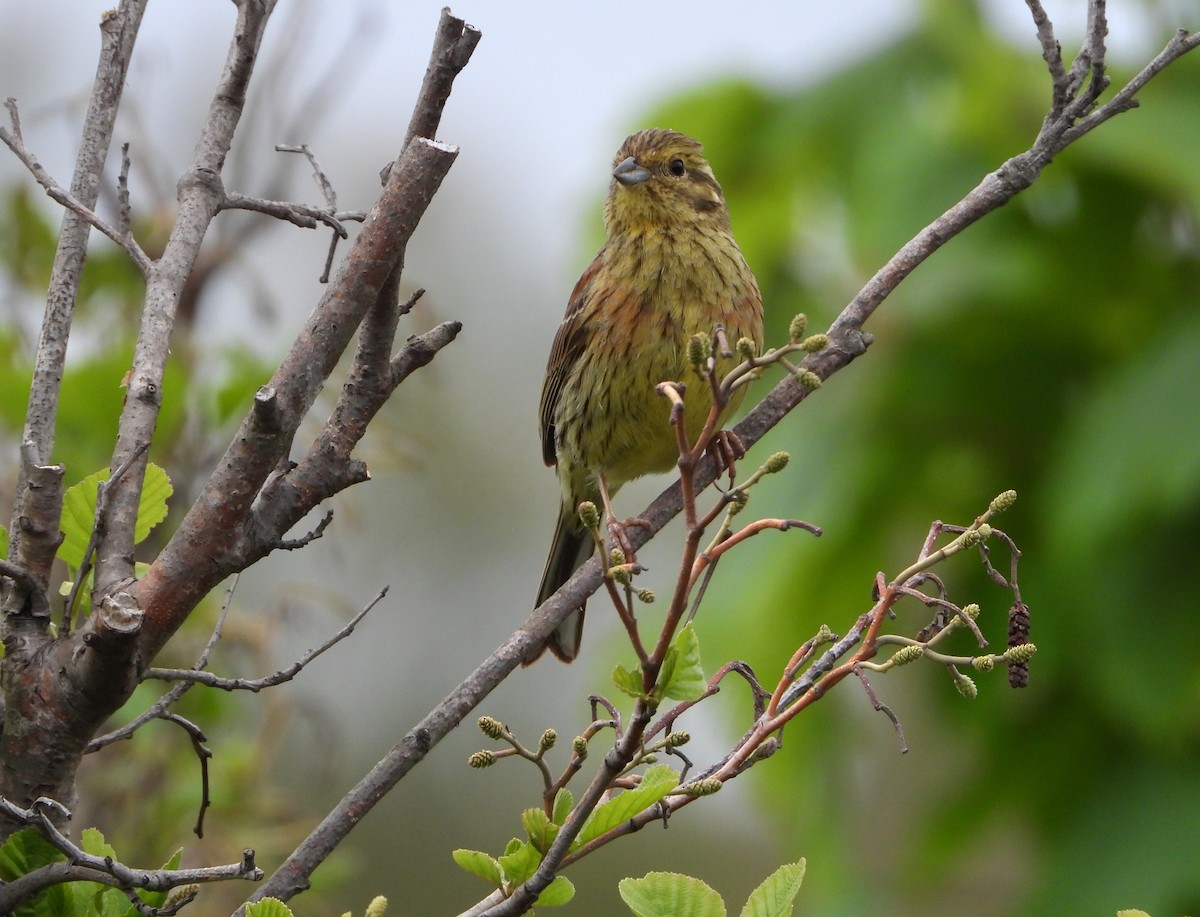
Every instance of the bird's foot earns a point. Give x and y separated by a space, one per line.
619 536
726 448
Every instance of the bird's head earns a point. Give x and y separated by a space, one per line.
661 180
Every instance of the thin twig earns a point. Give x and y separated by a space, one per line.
305 216
84 865
208 679
64 197
163 704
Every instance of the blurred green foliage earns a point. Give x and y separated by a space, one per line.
1054 348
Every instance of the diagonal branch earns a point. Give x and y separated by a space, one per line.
118 31
200 195
199 554
847 341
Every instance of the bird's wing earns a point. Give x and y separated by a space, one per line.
569 342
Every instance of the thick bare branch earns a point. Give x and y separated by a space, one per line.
200 195
453 46
118 31
328 467
200 554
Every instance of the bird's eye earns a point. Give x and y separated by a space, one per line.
677 167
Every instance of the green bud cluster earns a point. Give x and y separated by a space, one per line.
482 759
1022 653
589 515
776 463
490 727
797 328
814 343
1003 501
808 379
907 654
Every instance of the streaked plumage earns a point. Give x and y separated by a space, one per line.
670 268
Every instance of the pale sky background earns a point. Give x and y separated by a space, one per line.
550 93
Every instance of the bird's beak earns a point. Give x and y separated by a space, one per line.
629 173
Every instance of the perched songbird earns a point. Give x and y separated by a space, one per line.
669 269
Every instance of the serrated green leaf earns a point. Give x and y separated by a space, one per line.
152 507
669 894
656 783
563 803
92 841
79 511
478 863
628 682
666 672
686 680
774 897
539 828
268 907
520 864
559 892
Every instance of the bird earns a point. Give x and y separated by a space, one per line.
669 269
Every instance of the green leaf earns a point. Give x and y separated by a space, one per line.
686 680
79 511
105 901
540 829
268 907
92 841
656 783
559 892
563 803
78 515
628 682
3 543
24 852
666 672
152 508
774 897
478 863
520 864
669 894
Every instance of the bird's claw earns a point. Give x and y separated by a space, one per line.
726 448
619 537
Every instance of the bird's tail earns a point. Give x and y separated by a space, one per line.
570 548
